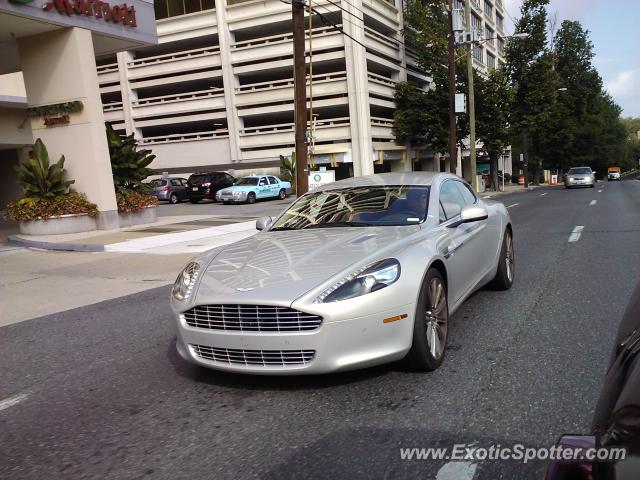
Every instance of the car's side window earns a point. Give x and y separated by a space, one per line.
175 182
228 178
184 182
263 181
451 199
467 193
273 180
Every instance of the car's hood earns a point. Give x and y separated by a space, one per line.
278 267
237 188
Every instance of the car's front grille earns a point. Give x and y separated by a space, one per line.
251 318
261 358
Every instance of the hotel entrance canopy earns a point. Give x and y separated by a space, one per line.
115 25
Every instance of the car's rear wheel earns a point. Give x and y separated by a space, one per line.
283 194
430 328
194 200
173 199
506 264
251 197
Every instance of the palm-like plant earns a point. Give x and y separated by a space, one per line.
128 164
288 169
39 178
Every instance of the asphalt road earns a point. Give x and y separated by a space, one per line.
99 392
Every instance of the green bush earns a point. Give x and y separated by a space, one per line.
41 180
128 164
132 201
43 208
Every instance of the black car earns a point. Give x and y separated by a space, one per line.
205 185
174 190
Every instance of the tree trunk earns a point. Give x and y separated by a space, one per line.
493 170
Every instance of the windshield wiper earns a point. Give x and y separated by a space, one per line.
339 224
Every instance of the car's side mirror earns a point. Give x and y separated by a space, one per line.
263 223
471 213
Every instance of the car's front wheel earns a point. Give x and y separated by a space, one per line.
431 324
506 264
251 197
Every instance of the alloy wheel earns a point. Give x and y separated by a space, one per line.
436 318
509 257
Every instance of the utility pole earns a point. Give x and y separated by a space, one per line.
300 96
453 150
471 102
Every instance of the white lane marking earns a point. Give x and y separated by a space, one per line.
11 401
593 202
488 196
576 233
513 205
543 194
599 191
457 471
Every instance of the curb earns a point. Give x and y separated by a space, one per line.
68 247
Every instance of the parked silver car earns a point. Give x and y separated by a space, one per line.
580 177
355 273
174 190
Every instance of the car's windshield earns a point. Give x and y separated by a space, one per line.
357 206
247 181
579 170
157 183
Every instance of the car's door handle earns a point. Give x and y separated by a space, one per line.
448 251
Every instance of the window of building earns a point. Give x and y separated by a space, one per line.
174 8
488 9
476 23
489 36
501 45
491 61
477 52
499 21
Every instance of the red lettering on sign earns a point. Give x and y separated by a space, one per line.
95 8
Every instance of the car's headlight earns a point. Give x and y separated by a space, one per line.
571 179
183 286
368 279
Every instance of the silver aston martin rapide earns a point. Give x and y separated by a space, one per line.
352 274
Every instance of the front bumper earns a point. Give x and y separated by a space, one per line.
338 344
237 197
579 182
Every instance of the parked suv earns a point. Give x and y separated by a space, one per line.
174 190
205 185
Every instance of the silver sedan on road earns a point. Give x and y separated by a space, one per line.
353 274
580 177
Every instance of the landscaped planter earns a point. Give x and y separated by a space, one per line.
72 223
146 215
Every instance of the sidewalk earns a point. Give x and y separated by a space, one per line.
509 188
168 236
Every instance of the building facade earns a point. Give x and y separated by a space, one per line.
216 93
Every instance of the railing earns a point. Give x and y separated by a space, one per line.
110 67
109 107
381 38
171 57
381 122
261 86
186 137
289 127
381 79
280 38
216 92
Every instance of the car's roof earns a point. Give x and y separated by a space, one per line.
393 178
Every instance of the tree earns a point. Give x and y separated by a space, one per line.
493 99
128 164
41 180
529 67
288 169
422 112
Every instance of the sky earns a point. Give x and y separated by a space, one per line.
614 27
